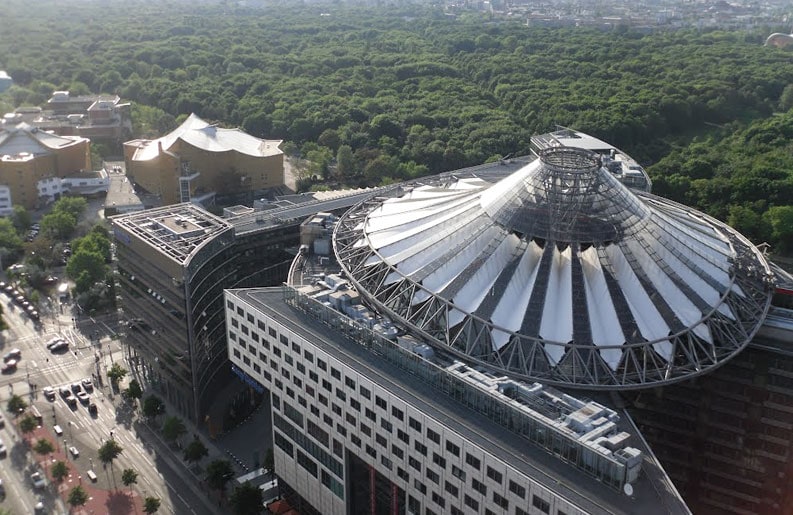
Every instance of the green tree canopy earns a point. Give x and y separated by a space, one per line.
59 471
152 406
195 451
173 428
43 447
246 499
16 404
109 451
218 473
151 505
28 424
77 497
129 477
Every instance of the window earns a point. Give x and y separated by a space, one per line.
357 441
349 382
355 404
386 462
437 499
433 476
380 402
517 489
341 430
451 489
413 505
350 419
438 460
301 368
413 462
471 502
326 385
322 399
421 487
402 473
341 395
370 415
414 424
520 511
296 348
494 474
309 356
336 374
420 447
473 461
478 486
403 436
385 424
396 451
457 511
541 504
284 339
338 448
458 472
432 435
322 365
246 360
365 393
500 501
366 430
313 376
261 325
336 409
271 332
453 448
370 451
381 440
397 413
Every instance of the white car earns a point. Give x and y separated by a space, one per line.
58 430
37 480
3 450
74 452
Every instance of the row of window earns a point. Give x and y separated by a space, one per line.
350 384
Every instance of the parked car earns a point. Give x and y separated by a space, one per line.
74 451
92 409
72 402
76 388
3 450
58 429
65 392
84 398
37 480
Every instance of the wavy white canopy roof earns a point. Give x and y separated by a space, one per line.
560 273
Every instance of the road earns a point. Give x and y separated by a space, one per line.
91 351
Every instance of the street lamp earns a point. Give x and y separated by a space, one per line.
65 449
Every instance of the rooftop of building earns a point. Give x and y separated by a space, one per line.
177 231
208 137
23 139
652 493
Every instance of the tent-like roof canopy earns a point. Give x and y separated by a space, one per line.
205 136
26 139
559 273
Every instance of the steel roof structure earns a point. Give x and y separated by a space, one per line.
559 273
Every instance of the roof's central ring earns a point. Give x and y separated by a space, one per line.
570 160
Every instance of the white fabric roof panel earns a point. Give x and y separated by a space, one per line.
557 317
511 308
501 255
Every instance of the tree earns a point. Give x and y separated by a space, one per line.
152 406
21 218
58 225
59 471
195 451
116 374
134 391
86 267
77 497
218 473
151 505
43 447
16 405
247 499
27 425
109 451
345 162
129 477
173 428
780 219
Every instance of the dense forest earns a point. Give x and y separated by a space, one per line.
376 95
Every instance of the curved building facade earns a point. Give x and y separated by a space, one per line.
559 273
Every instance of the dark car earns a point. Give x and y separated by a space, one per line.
59 346
72 402
92 409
